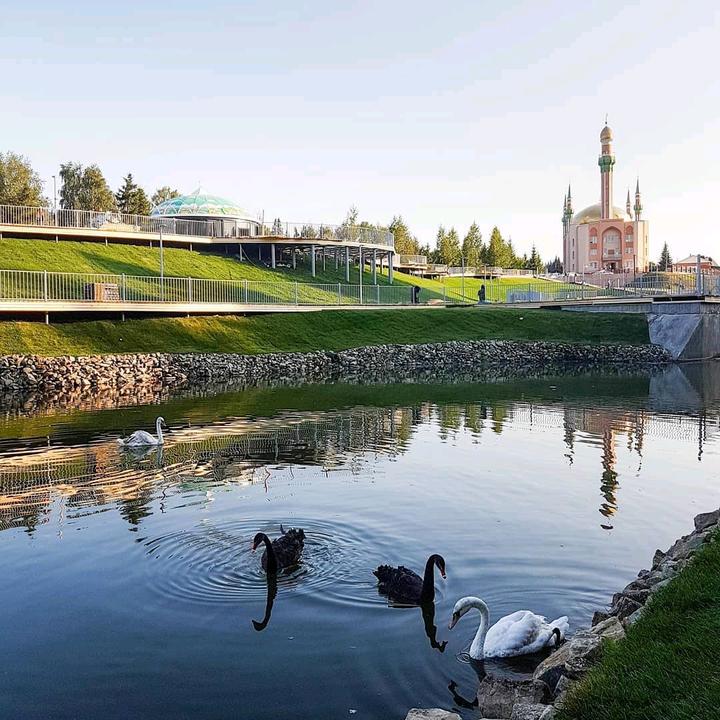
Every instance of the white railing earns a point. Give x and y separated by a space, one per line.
43 287
231 229
409 260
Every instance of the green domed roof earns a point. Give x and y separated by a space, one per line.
198 204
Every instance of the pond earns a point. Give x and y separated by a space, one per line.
129 587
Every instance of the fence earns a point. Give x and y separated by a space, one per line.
647 285
34 286
231 229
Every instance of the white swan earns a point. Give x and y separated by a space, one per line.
520 633
140 437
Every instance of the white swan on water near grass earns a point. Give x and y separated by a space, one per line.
141 438
521 633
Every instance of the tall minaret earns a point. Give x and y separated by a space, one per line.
628 206
638 204
606 162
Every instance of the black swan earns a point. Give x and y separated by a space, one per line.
282 553
404 586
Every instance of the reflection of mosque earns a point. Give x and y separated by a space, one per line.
238 452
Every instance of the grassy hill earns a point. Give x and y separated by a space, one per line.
327 330
86 257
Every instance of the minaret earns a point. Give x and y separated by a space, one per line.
628 206
606 162
638 204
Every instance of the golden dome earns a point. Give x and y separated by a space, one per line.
592 214
606 135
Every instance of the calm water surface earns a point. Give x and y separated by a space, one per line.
129 588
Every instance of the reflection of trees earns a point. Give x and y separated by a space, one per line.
499 415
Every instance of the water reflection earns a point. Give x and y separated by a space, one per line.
271 595
428 614
241 452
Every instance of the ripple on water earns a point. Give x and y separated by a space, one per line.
213 563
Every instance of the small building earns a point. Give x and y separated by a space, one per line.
690 264
603 237
213 215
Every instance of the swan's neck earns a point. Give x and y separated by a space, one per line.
477 651
270 560
158 429
428 587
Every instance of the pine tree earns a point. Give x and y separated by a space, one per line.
123 197
666 262
496 249
472 247
534 262
452 248
405 242
440 242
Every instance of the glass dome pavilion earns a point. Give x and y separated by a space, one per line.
223 217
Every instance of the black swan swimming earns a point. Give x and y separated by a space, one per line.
404 586
282 553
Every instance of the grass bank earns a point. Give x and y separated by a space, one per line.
84 257
667 667
330 330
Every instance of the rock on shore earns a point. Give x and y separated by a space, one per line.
139 372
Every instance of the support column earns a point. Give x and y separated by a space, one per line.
374 267
337 258
390 267
294 258
240 251
347 264
323 257
312 260
272 256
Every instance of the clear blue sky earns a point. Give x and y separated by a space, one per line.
444 113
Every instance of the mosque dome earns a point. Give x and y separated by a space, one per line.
606 135
200 205
592 213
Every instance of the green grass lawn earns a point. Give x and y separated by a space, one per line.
331 330
67 256
667 667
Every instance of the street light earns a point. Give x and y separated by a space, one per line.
55 196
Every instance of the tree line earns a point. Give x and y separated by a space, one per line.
85 188
81 188
472 251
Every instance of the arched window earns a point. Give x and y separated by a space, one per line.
628 234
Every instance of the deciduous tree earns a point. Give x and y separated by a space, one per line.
162 194
84 188
19 183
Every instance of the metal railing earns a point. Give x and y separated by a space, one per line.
231 229
641 286
39 286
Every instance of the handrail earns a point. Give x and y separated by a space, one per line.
233 229
35 286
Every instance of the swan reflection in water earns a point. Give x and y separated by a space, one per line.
428 613
271 594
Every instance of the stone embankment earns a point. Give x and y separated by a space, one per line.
540 696
140 373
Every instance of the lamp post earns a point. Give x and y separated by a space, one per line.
55 197
462 282
361 270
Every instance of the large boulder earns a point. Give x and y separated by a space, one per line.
431 714
572 659
498 696
611 628
706 520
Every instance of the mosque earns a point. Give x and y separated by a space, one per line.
603 237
